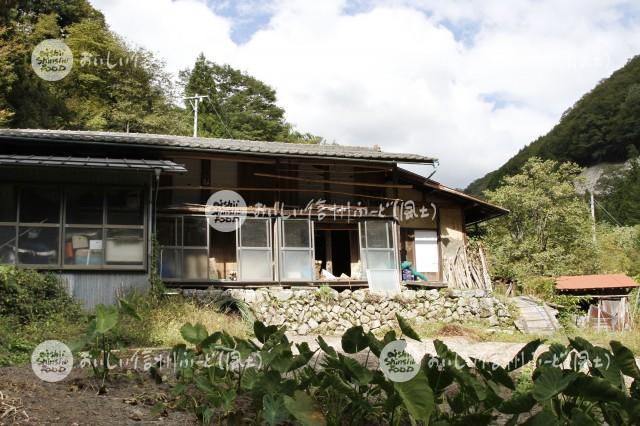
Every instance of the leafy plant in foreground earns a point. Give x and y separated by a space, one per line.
98 338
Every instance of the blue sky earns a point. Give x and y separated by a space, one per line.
469 82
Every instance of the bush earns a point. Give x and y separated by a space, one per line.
28 296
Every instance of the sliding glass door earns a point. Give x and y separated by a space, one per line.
296 249
378 253
255 250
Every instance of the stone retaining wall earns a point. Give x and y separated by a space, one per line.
326 311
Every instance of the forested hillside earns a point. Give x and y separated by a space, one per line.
114 86
599 128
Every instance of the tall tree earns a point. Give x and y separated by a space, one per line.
239 105
548 229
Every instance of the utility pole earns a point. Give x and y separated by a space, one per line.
194 101
593 216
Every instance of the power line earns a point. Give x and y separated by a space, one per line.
608 214
220 118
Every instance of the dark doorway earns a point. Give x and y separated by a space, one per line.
341 253
333 249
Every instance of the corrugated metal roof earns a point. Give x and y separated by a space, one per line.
594 282
92 162
235 146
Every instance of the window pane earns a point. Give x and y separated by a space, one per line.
8 207
378 234
125 207
83 246
195 231
380 259
296 233
297 265
38 246
40 205
195 265
124 247
84 206
168 232
255 265
8 244
254 233
171 266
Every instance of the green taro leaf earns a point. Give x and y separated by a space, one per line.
625 360
106 318
326 348
592 388
543 418
551 382
126 308
417 397
518 403
354 340
194 334
262 331
580 418
357 370
406 328
304 409
493 371
524 355
274 411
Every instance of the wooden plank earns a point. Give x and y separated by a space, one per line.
334 182
217 188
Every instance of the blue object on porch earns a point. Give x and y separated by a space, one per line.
412 274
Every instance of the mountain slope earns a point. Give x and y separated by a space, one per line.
599 128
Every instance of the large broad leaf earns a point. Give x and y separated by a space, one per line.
406 328
106 318
262 331
594 389
354 340
518 403
543 418
194 334
580 418
524 355
326 348
493 371
625 360
457 367
551 382
362 375
417 397
304 409
439 378
555 356
274 411
127 309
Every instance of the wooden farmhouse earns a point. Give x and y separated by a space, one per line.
99 208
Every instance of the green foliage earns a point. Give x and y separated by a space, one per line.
239 105
28 296
100 339
548 230
598 128
622 193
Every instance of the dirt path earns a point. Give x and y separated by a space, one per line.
26 400
497 352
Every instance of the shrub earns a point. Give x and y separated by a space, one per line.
27 296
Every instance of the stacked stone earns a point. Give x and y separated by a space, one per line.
327 311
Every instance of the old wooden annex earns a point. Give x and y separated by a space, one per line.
88 205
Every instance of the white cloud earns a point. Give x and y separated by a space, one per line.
399 74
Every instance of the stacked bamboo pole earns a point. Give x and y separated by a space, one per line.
467 270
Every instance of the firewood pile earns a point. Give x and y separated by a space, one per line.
467 269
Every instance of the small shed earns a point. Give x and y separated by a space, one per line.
609 306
